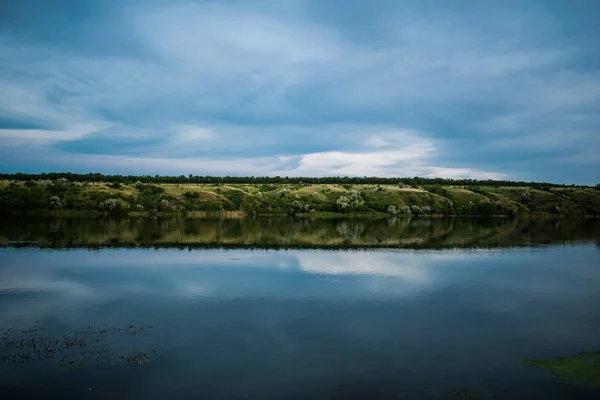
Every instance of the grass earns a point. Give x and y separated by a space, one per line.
460 194
582 369
276 198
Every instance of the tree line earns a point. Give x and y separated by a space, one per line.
208 179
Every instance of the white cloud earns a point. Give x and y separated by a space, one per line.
461 173
187 133
381 163
219 63
182 140
384 164
376 142
27 136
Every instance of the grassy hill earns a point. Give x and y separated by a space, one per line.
398 199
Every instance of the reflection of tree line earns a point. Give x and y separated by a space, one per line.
391 232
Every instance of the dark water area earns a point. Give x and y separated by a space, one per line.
285 233
89 309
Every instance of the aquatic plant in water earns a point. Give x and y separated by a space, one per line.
470 394
582 369
91 345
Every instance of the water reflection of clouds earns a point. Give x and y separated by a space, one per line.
70 286
353 263
33 280
45 279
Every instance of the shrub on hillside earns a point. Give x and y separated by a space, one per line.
437 189
164 205
295 207
416 210
191 195
343 203
110 205
404 210
55 202
45 183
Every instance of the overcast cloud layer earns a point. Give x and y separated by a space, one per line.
390 88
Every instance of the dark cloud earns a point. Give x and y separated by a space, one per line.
506 88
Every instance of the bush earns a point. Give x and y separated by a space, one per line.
55 202
115 185
110 205
45 183
404 210
191 195
235 197
525 197
486 207
437 189
445 207
152 190
417 210
319 197
343 203
296 207
476 189
512 211
164 205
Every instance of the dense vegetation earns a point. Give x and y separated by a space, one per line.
98 177
397 198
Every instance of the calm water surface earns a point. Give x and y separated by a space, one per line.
390 323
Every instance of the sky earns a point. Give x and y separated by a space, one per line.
448 88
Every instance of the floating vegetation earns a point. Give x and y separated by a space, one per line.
138 358
470 394
65 366
463 394
582 369
69 351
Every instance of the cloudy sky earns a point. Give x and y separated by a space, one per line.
448 88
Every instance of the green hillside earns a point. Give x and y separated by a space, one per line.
296 198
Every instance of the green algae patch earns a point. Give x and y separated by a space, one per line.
69 365
470 394
582 369
138 358
463 394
